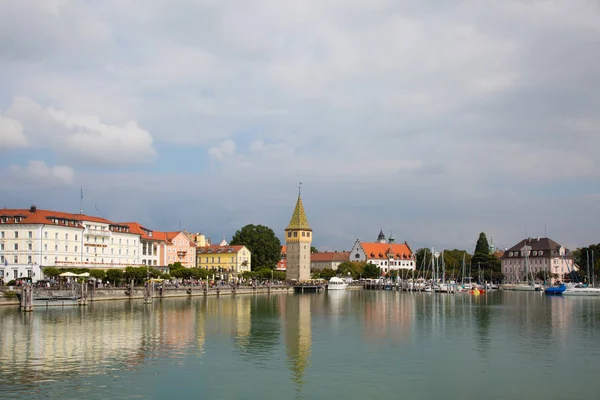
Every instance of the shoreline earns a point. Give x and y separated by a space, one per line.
119 294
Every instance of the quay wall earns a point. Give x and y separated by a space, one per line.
110 294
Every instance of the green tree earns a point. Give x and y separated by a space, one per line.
355 268
313 249
114 275
99 274
326 273
482 257
371 271
51 272
262 243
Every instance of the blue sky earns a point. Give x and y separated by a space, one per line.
434 122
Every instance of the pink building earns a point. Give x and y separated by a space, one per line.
178 247
536 255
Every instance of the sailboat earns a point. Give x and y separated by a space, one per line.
530 286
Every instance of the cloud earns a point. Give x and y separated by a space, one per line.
223 151
11 134
38 173
439 121
84 138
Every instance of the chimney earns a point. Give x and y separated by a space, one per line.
33 208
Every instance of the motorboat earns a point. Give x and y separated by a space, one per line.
581 290
336 283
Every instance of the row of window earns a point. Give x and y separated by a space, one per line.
30 235
304 234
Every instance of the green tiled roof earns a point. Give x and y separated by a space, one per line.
299 220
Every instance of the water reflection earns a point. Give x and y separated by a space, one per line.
301 342
298 335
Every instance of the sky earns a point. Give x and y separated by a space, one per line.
433 121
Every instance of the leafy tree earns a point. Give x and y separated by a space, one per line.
279 275
313 249
99 274
326 273
114 275
423 261
51 272
371 271
585 256
262 243
355 268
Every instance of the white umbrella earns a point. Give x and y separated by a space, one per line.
85 274
68 274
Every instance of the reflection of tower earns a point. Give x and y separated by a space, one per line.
298 335
298 237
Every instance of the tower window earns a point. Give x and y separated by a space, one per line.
308 234
295 234
303 234
289 234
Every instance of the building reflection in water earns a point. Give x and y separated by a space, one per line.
388 316
298 334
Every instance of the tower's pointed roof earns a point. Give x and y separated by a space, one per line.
299 220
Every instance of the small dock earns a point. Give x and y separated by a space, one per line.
307 288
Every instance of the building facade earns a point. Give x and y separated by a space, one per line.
32 239
536 255
234 259
179 247
282 263
328 260
298 238
385 254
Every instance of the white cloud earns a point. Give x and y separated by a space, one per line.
38 173
223 151
84 138
11 134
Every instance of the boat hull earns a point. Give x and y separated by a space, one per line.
582 292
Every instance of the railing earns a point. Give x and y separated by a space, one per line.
97 232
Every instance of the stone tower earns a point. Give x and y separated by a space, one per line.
298 238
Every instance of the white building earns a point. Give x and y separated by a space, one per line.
31 239
541 255
385 254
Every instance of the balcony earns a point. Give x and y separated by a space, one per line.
97 232
182 253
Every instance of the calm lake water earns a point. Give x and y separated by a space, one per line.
354 345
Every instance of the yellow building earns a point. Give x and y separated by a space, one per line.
236 259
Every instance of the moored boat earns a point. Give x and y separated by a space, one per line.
555 290
581 290
336 283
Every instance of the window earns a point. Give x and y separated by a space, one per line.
46 246
76 237
29 246
295 234
308 234
29 260
45 235
2 234
289 234
303 234
1 259
15 274
56 235
75 249
16 259
55 247
16 246
16 235
66 236
30 234
67 248
95 239
1 246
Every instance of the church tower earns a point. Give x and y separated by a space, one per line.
298 238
